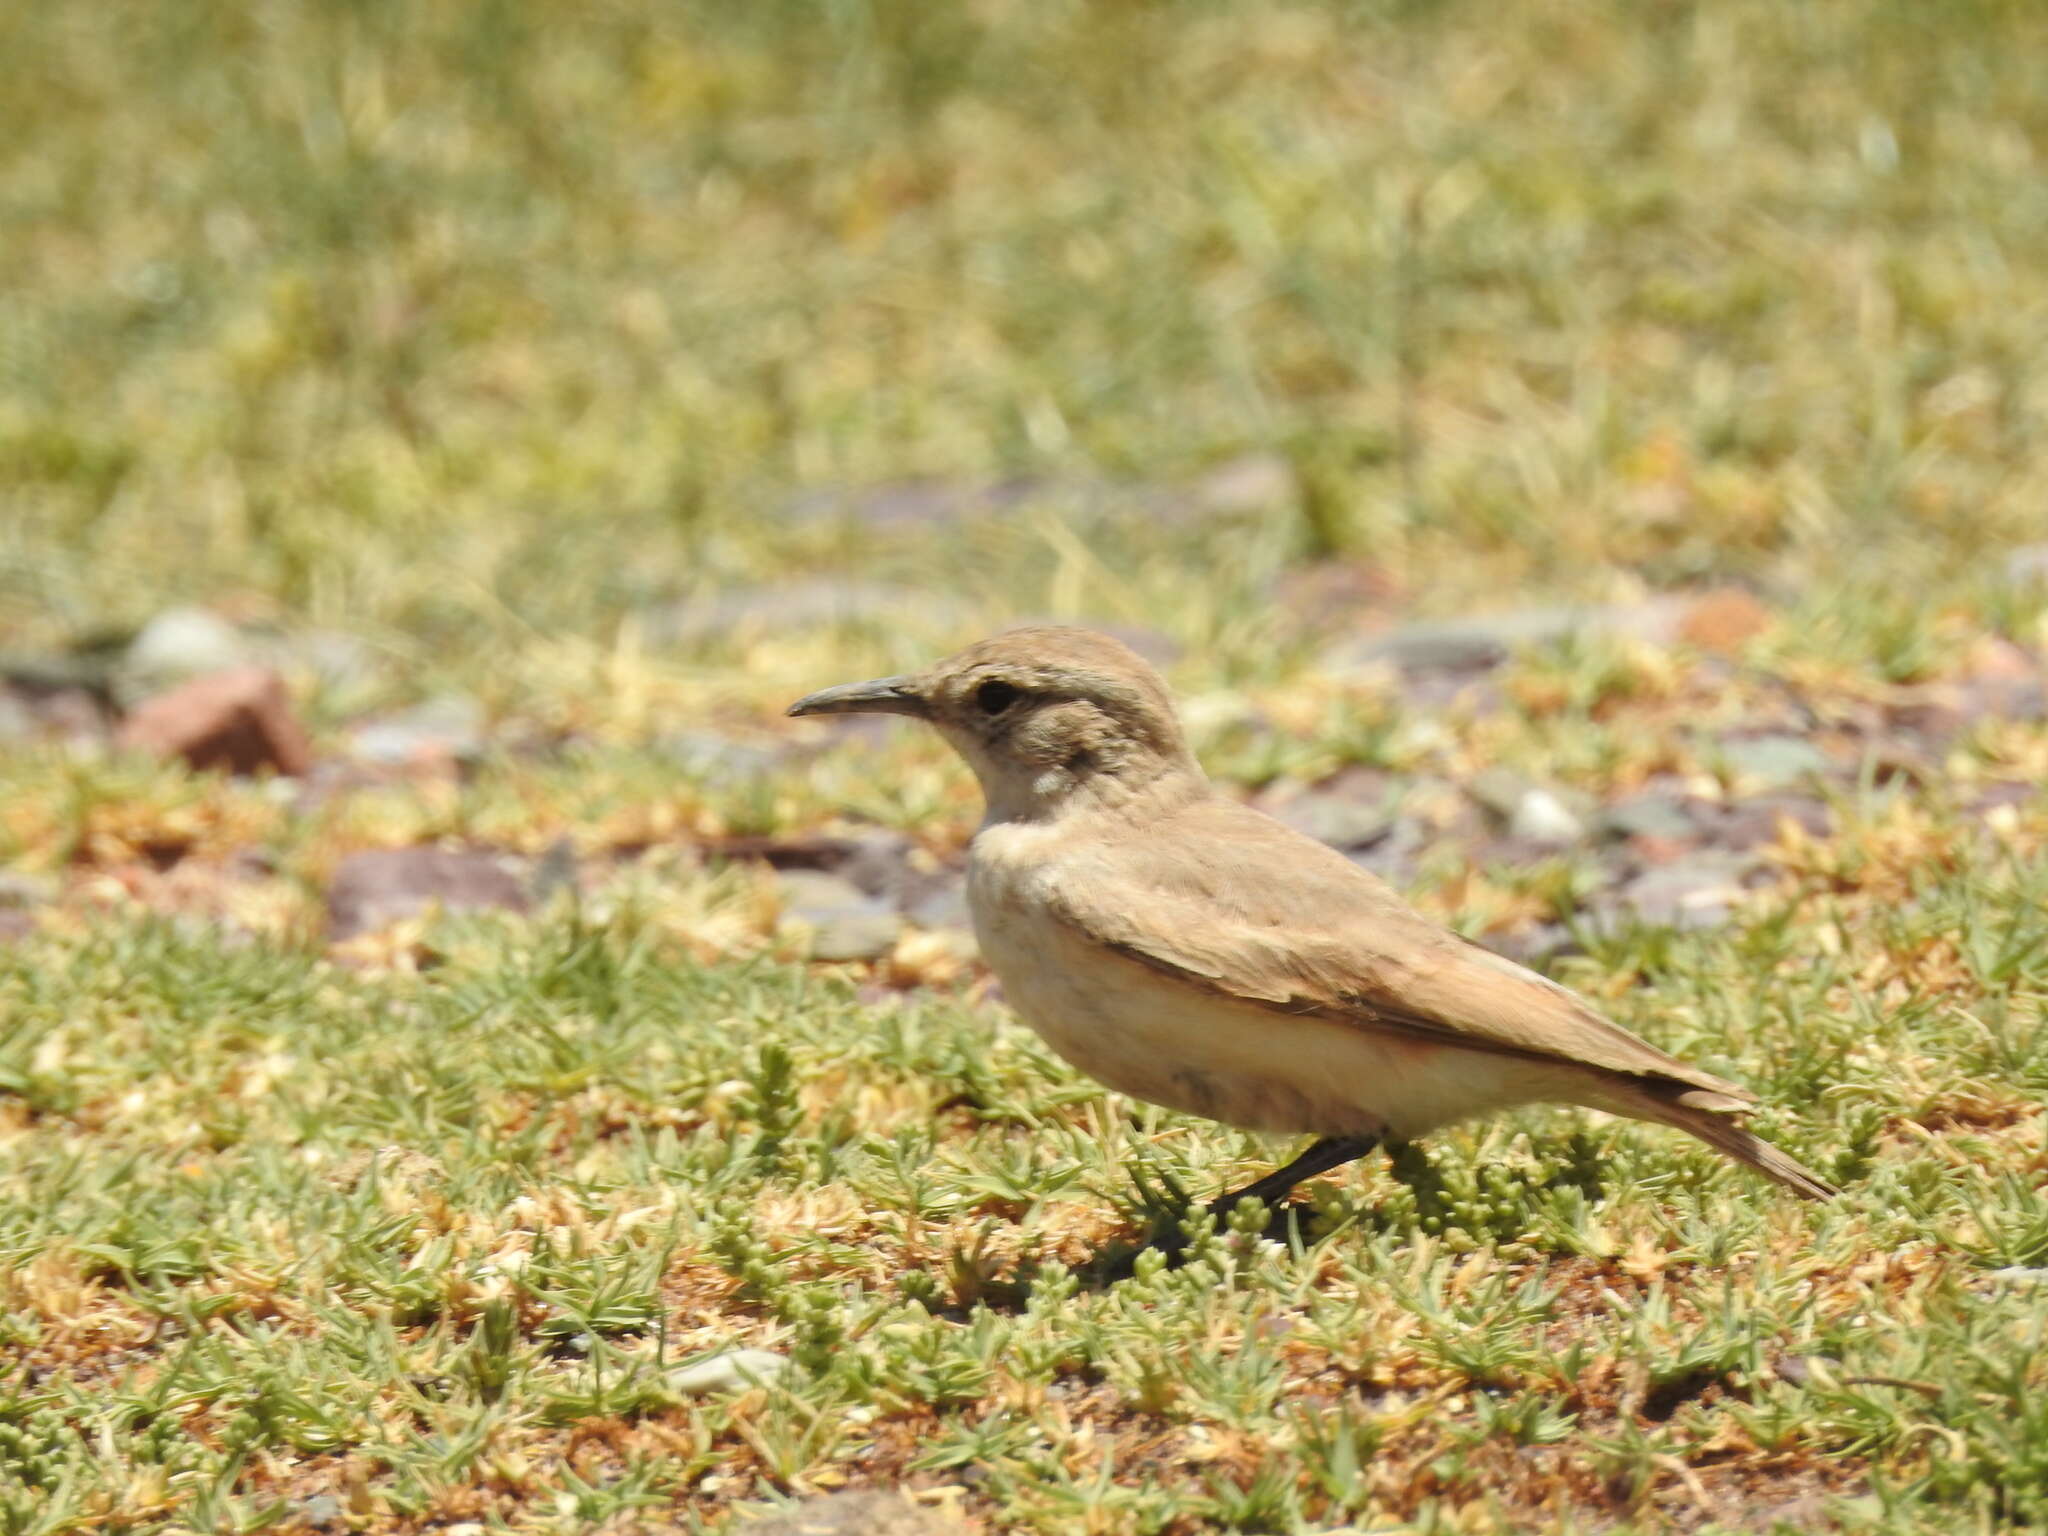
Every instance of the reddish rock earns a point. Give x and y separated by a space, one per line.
1723 620
240 721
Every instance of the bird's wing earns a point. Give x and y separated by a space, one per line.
1224 898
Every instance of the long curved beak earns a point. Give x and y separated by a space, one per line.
883 696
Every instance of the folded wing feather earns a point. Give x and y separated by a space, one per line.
1236 903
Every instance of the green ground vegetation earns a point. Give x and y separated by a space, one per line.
508 342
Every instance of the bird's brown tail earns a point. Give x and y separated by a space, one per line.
1723 1134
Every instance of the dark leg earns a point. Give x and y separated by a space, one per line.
1321 1157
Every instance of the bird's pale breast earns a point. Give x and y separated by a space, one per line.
1169 1042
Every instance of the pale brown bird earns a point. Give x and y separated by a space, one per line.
1188 950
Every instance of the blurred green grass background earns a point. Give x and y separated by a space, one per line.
458 322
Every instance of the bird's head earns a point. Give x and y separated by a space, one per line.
1046 717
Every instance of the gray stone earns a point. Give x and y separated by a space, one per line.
1649 815
1540 817
1699 891
853 1514
1340 820
451 727
846 923
1772 760
1395 857
375 889
323 1511
943 904
1531 813
733 1371
1499 790
877 863
185 642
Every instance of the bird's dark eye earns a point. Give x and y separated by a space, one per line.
992 698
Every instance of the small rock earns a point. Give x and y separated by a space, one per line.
1540 817
1499 790
447 728
186 642
1697 892
1340 820
1723 620
853 1514
1649 815
1396 857
733 1371
1772 760
845 922
942 904
323 1511
240 721
877 863
1530 812
375 889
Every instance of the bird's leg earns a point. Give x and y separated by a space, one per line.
1330 1152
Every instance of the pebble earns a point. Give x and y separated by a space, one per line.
185 642
733 1371
846 922
1540 817
240 721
